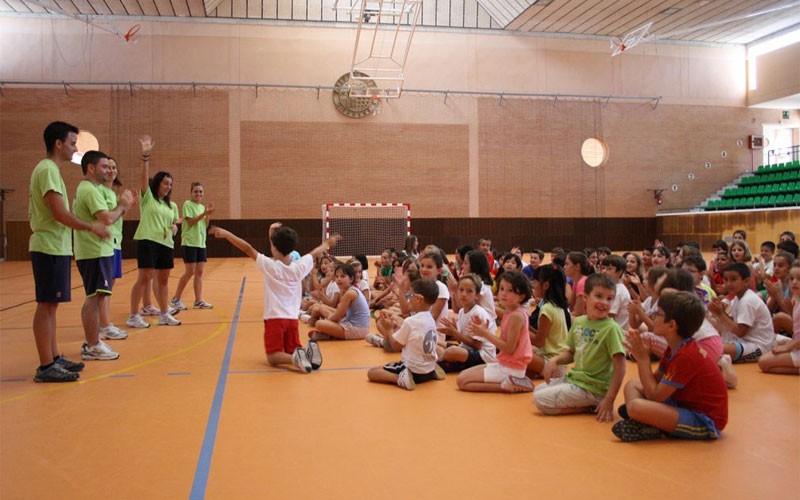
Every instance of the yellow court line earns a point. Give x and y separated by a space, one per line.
68 385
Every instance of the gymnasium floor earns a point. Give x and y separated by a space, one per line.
194 411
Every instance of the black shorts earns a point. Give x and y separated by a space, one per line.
97 274
194 254
419 378
51 275
473 359
152 255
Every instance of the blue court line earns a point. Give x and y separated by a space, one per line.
14 380
170 374
122 375
207 450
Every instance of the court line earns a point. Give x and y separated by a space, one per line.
209 439
72 385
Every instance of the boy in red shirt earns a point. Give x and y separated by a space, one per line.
686 397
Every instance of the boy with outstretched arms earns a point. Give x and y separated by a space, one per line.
282 294
686 397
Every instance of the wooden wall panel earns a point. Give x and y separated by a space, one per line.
760 225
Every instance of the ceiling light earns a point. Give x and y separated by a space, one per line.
670 11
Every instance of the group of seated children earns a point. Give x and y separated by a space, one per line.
585 309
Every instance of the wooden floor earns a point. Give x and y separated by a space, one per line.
194 411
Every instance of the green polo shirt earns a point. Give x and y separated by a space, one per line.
193 235
49 236
156 220
116 227
89 200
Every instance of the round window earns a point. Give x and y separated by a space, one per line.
594 152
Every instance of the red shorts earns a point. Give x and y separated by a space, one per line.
281 335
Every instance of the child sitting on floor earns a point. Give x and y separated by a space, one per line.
417 338
350 319
472 350
507 374
595 344
686 398
785 357
747 333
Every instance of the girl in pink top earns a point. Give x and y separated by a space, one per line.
514 350
785 357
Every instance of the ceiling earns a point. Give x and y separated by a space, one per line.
697 21
720 22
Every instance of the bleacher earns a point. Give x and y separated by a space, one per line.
772 186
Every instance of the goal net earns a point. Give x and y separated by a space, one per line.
366 228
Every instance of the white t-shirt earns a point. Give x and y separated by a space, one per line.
706 330
488 351
619 308
486 301
418 336
331 290
750 310
283 285
444 293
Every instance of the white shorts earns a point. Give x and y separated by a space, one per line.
795 357
352 332
496 373
747 351
551 398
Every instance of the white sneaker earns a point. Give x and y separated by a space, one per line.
305 317
406 380
728 373
168 320
136 321
178 304
111 332
98 352
150 310
202 304
374 339
300 360
313 354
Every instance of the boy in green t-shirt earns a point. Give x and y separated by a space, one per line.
95 256
595 345
50 249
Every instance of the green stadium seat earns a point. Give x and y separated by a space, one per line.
780 200
772 200
797 199
760 189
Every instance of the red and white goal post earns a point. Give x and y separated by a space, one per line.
366 228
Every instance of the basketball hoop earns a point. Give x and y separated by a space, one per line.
632 39
375 104
128 36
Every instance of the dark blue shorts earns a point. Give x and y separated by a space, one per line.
117 264
693 425
97 275
51 275
194 254
152 255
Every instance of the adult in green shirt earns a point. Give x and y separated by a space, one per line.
50 248
112 188
154 246
193 244
95 256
